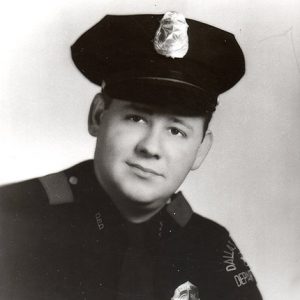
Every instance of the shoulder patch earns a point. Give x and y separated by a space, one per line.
232 256
235 265
57 188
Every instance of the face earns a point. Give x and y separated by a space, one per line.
143 156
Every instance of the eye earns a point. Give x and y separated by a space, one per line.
177 132
135 118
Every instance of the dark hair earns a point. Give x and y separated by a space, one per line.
107 100
207 118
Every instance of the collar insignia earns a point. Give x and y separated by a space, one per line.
171 39
186 291
99 220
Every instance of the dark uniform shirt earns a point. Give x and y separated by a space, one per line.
62 238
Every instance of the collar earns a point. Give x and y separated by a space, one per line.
107 218
179 209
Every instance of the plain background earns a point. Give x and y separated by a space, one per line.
250 181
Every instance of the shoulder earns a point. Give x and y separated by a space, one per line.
31 206
48 205
53 189
207 230
22 194
216 243
41 223
217 255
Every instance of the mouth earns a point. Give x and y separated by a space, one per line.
143 169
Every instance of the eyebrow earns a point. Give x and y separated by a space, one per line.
145 109
182 122
140 108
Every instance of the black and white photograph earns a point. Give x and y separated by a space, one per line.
149 150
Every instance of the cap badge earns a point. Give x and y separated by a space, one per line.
186 291
171 38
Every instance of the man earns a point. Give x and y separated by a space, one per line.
114 227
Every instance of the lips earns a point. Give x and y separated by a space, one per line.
145 170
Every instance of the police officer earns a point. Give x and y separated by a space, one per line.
114 228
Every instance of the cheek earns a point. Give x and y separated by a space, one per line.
184 153
182 157
117 143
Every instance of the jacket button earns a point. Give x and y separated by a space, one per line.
73 180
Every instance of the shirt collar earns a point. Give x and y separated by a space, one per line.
90 194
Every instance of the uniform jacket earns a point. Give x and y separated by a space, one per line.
62 238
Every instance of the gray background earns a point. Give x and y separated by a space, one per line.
250 180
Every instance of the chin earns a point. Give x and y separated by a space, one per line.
145 196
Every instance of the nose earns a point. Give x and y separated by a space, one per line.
149 145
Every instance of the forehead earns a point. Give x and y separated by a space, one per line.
153 109
194 124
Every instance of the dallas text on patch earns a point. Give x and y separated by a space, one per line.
243 278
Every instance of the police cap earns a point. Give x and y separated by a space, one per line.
131 57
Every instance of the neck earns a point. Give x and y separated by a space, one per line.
132 210
135 212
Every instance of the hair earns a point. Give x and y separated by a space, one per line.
207 118
107 100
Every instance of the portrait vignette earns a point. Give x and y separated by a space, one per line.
249 180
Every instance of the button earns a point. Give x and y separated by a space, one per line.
73 180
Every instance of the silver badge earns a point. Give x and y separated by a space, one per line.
171 38
186 291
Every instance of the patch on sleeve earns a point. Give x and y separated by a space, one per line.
243 278
235 264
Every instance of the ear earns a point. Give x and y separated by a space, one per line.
203 149
96 110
